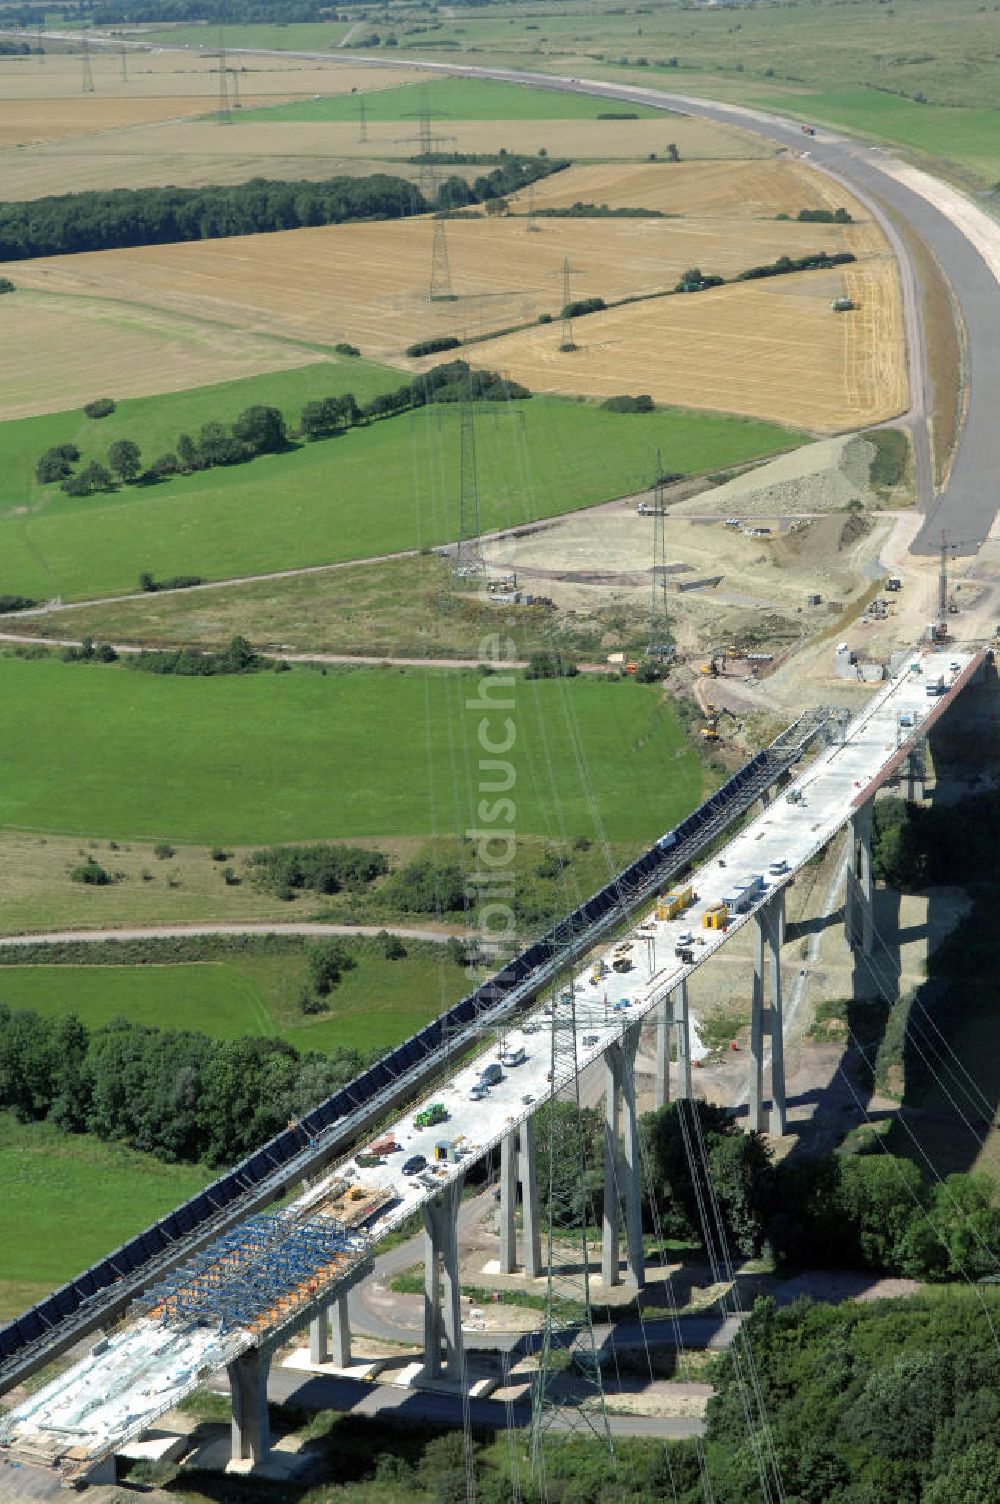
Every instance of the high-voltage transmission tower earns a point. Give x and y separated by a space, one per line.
568 1397
428 181
659 625
124 62
362 119
88 67
531 225
566 341
469 561
225 118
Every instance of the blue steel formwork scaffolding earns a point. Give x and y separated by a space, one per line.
253 1271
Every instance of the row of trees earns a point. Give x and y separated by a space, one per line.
178 1095
262 429
104 219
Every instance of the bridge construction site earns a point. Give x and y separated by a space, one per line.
222 1285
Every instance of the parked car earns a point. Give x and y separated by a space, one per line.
414 1164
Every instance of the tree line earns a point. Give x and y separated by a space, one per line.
108 219
262 429
176 1094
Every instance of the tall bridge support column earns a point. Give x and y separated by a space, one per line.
251 1429
859 895
766 1021
441 1269
340 1331
621 1164
334 1323
913 774
531 1224
517 1166
672 1011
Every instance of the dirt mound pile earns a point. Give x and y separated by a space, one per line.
822 477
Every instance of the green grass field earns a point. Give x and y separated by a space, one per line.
456 98
278 757
968 136
373 1007
381 489
68 1199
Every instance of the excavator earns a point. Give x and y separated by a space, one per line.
713 715
718 659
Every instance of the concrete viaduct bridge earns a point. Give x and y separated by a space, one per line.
218 1285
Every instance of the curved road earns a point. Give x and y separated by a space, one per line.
966 507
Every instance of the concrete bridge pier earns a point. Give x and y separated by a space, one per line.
517 1166
331 1325
621 1164
859 895
441 1269
251 1428
766 1021
672 1012
913 774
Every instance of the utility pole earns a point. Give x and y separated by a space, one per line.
659 626
88 70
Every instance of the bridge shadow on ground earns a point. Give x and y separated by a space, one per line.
920 1064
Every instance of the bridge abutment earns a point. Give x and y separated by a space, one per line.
442 1320
621 1164
766 1019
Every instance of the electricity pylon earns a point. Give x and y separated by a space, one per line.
469 562
362 119
659 624
88 69
568 1397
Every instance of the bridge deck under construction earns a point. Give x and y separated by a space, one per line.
200 1319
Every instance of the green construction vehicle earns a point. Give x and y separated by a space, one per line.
437 1112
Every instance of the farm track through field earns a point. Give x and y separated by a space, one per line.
190 931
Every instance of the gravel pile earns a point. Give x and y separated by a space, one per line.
820 477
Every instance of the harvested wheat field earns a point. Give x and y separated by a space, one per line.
60 353
771 349
368 283
184 74
736 189
44 101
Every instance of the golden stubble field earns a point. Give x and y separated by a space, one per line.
766 187
59 353
768 349
368 283
44 101
218 308
107 142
